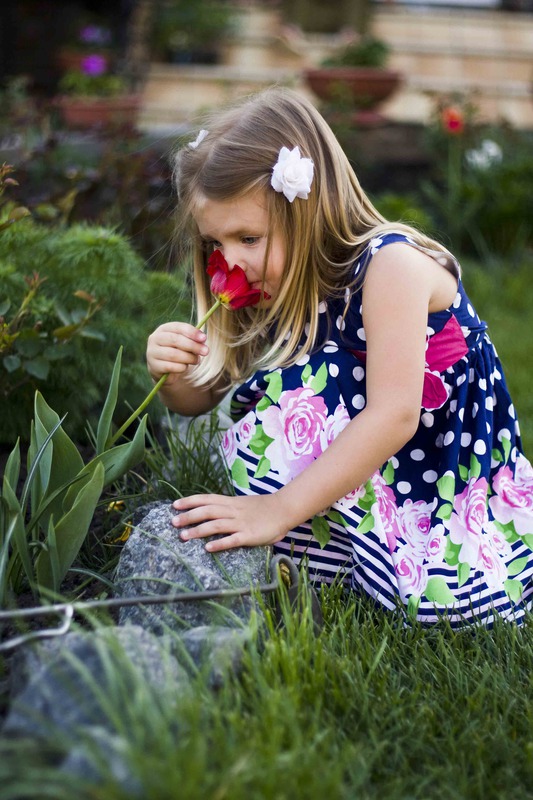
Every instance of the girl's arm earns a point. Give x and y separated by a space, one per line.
173 348
402 285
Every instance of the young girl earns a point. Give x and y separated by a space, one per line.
374 433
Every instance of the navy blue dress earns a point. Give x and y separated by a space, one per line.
446 524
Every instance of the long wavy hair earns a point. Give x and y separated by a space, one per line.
323 235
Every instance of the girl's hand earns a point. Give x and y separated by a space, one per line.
247 521
173 348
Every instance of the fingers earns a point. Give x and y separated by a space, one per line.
173 348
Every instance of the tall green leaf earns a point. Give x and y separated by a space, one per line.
65 464
70 533
116 462
106 417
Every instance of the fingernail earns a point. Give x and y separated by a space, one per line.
175 521
184 535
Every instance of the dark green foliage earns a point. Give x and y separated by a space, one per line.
101 262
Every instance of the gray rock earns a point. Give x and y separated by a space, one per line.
98 754
216 651
155 560
72 687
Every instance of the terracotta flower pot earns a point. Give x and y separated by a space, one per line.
365 87
89 112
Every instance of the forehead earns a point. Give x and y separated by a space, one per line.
237 213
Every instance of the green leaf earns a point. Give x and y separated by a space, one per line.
438 591
259 441
496 455
239 473
506 443
412 606
17 530
66 461
320 529
263 467
38 367
475 466
516 566
528 540
106 417
366 524
5 305
12 468
446 487
463 573
513 589
70 533
306 373
11 363
264 403
451 553
318 384
445 511
388 473
336 517
275 386
116 462
463 473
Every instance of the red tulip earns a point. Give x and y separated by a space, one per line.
230 286
453 120
231 289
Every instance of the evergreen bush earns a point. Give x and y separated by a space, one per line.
100 262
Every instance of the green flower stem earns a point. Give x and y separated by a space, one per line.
149 397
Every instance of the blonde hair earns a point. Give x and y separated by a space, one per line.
323 235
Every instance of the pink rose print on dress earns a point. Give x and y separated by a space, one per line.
349 500
513 498
469 519
335 423
494 568
295 427
415 521
385 511
245 429
229 446
411 572
436 544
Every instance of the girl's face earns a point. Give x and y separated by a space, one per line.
239 228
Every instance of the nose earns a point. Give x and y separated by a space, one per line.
233 256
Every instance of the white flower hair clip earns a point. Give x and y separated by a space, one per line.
199 139
292 174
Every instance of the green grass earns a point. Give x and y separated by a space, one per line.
369 709
504 299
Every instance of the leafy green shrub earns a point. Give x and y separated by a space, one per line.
100 262
45 519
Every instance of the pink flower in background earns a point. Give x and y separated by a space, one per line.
295 427
94 65
469 519
513 498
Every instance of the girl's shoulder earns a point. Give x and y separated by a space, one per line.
440 255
